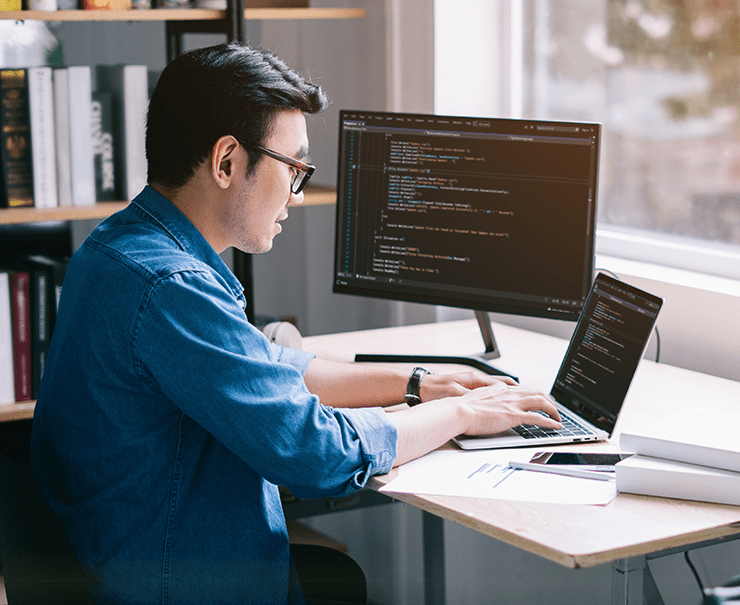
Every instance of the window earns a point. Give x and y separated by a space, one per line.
663 77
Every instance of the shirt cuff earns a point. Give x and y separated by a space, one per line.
379 439
293 357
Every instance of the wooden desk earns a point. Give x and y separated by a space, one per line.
627 532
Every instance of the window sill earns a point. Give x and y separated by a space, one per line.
679 277
686 262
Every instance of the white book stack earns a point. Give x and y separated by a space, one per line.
687 456
73 114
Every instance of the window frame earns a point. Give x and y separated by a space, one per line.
506 57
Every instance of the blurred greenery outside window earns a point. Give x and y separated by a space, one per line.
663 77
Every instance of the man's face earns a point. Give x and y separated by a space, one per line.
261 200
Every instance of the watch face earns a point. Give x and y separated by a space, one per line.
413 399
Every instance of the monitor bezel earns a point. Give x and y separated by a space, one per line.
445 298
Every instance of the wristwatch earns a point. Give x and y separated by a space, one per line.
412 388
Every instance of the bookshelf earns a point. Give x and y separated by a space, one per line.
178 21
185 14
314 196
22 410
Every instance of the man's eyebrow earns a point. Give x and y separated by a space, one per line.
303 152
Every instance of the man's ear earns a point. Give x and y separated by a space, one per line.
224 159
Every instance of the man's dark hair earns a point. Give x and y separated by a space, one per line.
202 95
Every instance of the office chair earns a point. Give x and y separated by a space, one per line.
38 562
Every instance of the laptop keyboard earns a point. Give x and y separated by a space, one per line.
532 431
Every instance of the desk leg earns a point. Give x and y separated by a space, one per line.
633 584
434 559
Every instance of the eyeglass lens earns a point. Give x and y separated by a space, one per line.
299 181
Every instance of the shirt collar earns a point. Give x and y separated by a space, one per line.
158 210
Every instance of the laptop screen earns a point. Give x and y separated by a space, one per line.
607 345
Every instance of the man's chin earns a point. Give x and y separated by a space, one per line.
252 249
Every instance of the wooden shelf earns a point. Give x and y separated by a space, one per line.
314 196
302 14
185 14
11 216
16 411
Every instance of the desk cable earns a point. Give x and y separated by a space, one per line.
693 570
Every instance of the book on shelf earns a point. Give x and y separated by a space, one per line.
16 164
649 476
20 303
7 364
128 86
32 297
10 5
104 145
699 437
73 115
43 147
55 267
47 275
114 5
42 5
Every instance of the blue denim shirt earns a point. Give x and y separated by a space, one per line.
165 421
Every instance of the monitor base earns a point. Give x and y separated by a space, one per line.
480 362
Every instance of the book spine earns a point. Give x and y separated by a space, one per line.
104 148
42 5
10 5
41 108
7 367
20 291
136 87
40 326
61 132
16 164
80 136
128 86
106 4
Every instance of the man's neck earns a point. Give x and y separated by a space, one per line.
195 204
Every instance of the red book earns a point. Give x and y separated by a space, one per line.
20 291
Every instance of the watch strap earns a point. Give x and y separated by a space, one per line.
414 385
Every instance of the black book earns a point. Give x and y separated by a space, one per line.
46 277
16 164
107 187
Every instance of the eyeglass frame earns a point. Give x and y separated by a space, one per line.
306 169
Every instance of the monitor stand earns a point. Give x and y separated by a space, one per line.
477 361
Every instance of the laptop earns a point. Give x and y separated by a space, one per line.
608 342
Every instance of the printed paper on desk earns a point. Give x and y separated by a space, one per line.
486 474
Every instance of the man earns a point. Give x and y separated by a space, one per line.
165 420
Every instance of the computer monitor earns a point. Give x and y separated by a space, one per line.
480 213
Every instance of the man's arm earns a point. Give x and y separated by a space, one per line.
351 385
468 402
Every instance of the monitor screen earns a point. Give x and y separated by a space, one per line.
479 213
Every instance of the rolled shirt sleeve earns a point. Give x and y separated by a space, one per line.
194 343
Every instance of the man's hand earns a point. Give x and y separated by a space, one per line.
501 406
437 386
484 410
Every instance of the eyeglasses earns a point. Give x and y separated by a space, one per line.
303 171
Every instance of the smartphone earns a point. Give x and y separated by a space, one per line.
589 461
